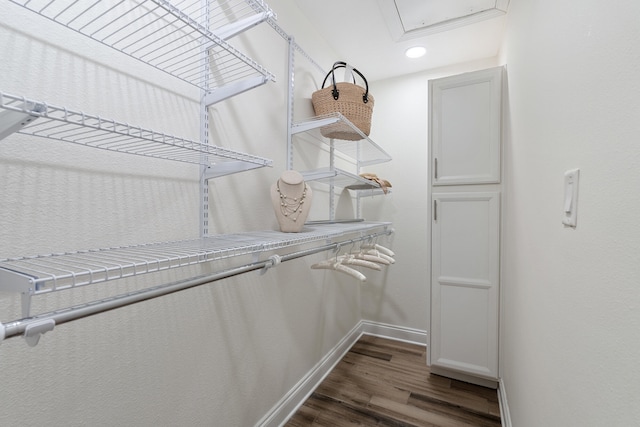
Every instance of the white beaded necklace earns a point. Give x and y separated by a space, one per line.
290 206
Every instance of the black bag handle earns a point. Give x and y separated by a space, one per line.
335 92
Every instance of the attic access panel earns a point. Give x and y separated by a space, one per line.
413 18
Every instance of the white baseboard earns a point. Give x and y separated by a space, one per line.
505 415
398 333
290 402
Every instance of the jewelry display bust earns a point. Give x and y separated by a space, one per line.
291 199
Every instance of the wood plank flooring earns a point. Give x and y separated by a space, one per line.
383 382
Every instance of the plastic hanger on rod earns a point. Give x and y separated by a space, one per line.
368 256
352 259
336 265
375 256
379 248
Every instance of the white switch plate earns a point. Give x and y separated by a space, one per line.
570 205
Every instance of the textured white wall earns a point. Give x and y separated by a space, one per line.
222 354
571 297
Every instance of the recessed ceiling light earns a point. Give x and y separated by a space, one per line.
415 52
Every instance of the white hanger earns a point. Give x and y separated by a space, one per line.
371 257
380 248
336 265
354 260
376 253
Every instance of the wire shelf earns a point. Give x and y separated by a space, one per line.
363 152
340 178
168 37
63 124
47 273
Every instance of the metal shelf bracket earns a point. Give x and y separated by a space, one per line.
232 89
12 121
26 304
227 168
242 25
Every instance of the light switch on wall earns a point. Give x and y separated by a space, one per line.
571 178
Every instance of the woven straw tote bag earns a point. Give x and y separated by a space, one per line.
352 101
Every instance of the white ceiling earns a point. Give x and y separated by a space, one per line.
373 35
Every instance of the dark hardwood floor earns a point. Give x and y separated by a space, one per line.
382 382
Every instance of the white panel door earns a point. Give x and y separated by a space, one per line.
465 282
465 125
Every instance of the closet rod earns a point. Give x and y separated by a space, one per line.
33 327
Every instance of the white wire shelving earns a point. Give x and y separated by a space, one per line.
363 152
41 119
188 40
171 36
340 178
41 274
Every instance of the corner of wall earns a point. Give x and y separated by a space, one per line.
292 400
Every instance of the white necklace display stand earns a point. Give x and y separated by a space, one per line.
291 199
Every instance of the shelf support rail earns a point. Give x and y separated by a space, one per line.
290 100
32 328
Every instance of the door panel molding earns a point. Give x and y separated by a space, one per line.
466 128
